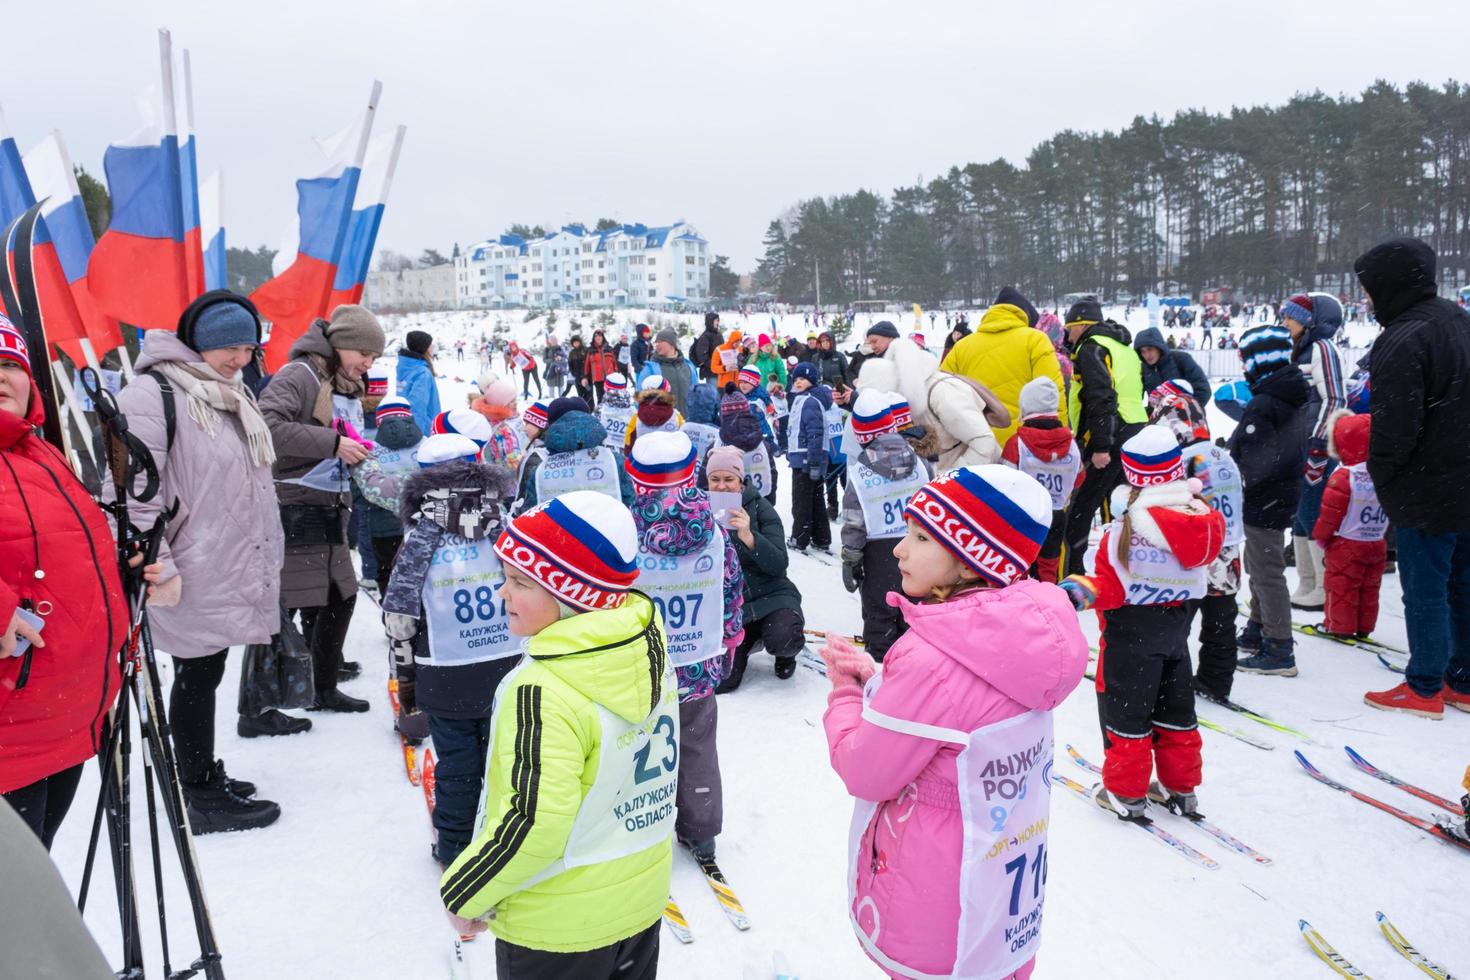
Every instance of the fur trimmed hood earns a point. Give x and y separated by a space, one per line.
486 479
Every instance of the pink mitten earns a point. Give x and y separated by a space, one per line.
845 663
349 430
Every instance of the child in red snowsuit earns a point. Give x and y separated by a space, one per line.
1350 529
1151 567
1044 449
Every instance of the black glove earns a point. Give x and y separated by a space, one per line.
815 475
852 575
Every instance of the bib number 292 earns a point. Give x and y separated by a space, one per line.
642 771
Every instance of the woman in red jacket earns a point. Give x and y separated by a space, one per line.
599 364
57 561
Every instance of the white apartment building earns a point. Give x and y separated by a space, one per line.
631 265
411 289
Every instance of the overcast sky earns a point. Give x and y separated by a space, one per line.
721 114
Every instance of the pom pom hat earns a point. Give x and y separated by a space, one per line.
465 422
992 518
582 547
391 406
660 460
872 415
535 414
447 447
13 345
1152 458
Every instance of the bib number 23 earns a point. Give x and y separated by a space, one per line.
643 772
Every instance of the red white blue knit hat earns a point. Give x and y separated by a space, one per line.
659 460
872 415
750 374
377 382
1170 390
903 416
992 518
393 405
615 382
465 422
1152 458
655 382
582 547
446 447
13 345
535 414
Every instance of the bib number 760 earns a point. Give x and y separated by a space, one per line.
642 771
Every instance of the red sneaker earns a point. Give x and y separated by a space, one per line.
1403 698
1455 699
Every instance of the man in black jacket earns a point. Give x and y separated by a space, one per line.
1106 404
1270 447
1419 458
703 350
1161 364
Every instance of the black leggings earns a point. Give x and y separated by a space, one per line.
325 629
43 804
191 713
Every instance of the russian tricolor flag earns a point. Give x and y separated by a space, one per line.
212 231
367 217
300 292
148 265
63 245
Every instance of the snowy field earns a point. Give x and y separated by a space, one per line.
343 885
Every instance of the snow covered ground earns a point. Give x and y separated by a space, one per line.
343 885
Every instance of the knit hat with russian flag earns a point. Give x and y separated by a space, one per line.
992 518
749 375
377 382
391 406
535 415
465 422
13 345
660 460
582 547
615 382
655 382
903 416
1152 458
872 415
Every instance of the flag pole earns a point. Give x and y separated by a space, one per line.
359 155
196 287
171 128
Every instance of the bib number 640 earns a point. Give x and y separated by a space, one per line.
642 771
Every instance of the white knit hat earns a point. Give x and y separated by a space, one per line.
446 447
466 422
662 459
1039 396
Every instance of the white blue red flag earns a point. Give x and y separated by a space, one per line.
367 217
212 230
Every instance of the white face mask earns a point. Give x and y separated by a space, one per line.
866 349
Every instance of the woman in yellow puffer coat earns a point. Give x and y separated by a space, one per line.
1004 353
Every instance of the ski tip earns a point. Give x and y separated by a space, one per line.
1357 759
1380 918
1303 760
1304 925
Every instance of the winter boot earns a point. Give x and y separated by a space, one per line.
1250 638
335 700
1309 593
785 667
1123 807
271 722
239 787
413 726
703 850
794 545
1276 658
736 675
1404 698
348 670
213 808
1184 804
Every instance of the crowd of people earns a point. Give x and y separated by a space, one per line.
568 586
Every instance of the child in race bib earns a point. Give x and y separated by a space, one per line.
1150 568
1351 529
1044 449
947 873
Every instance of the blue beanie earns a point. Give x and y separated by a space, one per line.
225 324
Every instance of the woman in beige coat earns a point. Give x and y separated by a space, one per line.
221 552
314 409
957 413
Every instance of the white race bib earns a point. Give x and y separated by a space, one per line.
615 420
1365 519
793 425
1057 477
1220 485
835 420
1153 576
689 593
703 436
582 469
758 469
462 604
883 500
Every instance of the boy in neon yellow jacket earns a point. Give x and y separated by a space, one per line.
572 855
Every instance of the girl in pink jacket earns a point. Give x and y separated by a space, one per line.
948 750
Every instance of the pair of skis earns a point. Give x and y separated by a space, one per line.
1339 964
459 967
410 762
1198 820
1443 827
724 895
